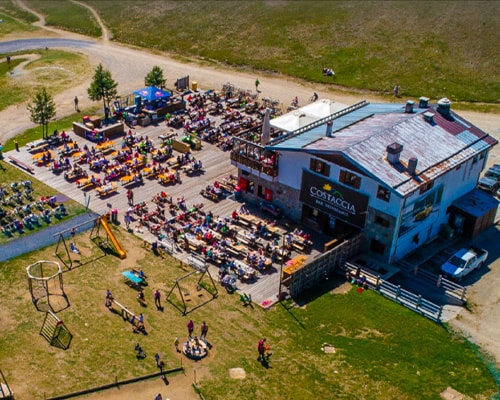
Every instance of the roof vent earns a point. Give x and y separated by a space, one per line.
329 128
393 152
412 165
429 116
409 106
443 107
423 102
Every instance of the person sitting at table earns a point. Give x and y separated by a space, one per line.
234 215
260 264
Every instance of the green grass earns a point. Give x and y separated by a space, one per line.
9 174
35 133
67 15
55 69
428 48
15 20
382 349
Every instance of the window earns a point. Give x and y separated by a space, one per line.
377 246
426 186
382 221
250 186
260 191
320 167
383 193
350 179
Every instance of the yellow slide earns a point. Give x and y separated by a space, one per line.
119 249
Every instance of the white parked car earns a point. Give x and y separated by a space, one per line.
463 262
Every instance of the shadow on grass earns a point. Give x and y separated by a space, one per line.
329 284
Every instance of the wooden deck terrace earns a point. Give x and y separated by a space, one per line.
216 166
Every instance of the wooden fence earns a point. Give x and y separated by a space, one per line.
320 267
395 292
451 289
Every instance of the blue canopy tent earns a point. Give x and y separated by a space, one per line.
152 93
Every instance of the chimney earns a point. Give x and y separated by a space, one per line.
393 152
266 128
429 116
329 128
443 107
423 102
409 106
412 165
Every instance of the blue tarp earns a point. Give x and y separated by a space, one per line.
152 93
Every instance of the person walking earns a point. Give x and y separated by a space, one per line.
396 90
157 359
257 83
157 297
158 397
176 344
130 197
261 348
190 326
204 330
75 100
128 220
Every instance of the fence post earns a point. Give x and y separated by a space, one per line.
439 314
464 291
419 300
377 284
440 279
398 292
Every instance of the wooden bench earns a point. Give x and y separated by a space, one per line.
331 244
22 164
197 263
126 314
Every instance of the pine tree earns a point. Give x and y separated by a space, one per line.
155 77
103 86
42 110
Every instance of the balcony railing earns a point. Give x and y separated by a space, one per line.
256 165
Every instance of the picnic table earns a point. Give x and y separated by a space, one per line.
133 279
126 179
105 145
166 178
37 146
87 182
244 271
106 190
248 218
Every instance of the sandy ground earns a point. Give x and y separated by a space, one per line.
129 66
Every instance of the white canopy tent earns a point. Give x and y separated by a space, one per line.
305 115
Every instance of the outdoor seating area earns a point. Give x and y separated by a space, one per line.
20 211
160 161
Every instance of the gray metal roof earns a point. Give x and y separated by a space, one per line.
363 134
298 142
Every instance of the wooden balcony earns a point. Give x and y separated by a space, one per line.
255 157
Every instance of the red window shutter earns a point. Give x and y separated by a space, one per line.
243 183
268 195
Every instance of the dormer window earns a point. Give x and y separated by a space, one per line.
319 167
350 179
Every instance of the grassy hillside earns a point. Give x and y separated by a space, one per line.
382 350
67 15
434 49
